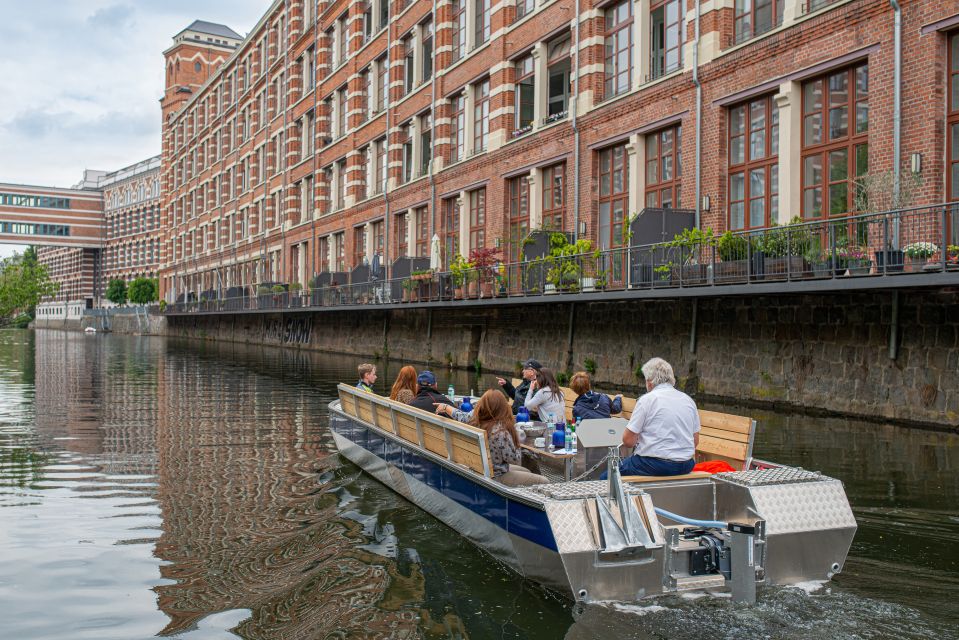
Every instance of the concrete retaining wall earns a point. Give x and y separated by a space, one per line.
825 352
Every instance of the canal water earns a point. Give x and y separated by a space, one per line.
152 487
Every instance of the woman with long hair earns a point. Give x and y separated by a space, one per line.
545 397
404 389
493 414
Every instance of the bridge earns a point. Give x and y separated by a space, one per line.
51 217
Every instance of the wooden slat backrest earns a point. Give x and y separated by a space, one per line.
458 442
725 437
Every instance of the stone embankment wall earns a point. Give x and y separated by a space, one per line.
819 352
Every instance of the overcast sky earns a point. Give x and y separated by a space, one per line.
82 81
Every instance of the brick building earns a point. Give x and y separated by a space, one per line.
338 130
131 203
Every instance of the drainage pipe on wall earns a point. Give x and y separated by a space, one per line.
575 108
432 144
896 115
699 117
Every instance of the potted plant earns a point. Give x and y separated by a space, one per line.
663 274
851 260
952 257
563 269
484 262
459 267
919 254
784 250
733 255
694 250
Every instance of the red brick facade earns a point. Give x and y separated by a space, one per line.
271 175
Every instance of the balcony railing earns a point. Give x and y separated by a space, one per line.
839 252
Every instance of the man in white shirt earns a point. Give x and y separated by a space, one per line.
663 430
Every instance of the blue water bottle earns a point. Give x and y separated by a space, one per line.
522 415
559 436
466 406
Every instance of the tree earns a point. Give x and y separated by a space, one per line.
117 291
23 282
143 291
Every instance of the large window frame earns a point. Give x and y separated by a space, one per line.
421 222
554 197
753 18
518 212
524 100
458 18
477 206
664 168
451 229
835 139
618 49
481 116
952 132
666 37
613 209
753 141
482 13
457 128
402 240
359 245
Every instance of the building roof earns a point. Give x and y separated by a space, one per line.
213 29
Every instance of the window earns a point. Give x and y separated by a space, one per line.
421 223
309 70
481 22
367 22
613 195
341 184
406 140
324 258
480 116
952 136
753 164
478 218
451 229
664 168
341 40
554 186
619 48
331 44
524 99
402 235
366 95
458 128
835 145
307 12
558 70
426 29
339 243
383 82
361 186
666 40
755 17
459 29
380 166
359 245
426 143
383 14
518 216
408 63
341 112
524 8
378 238
309 135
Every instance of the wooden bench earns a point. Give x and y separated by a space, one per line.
722 437
457 442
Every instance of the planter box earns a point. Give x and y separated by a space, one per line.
549 289
785 267
587 284
890 261
732 271
858 267
689 275
916 265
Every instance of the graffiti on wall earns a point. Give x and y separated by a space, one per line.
289 330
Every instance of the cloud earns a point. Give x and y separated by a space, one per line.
118 16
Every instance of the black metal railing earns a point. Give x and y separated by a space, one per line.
895 243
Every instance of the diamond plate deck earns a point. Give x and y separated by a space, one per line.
777 475
807 506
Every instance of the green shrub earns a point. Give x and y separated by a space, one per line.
116 291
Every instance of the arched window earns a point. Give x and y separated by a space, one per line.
197 66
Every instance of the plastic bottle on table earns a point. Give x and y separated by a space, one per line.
575 429
570 438
450 392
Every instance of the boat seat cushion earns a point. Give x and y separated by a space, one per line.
685 476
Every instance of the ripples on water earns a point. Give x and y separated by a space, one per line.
191 490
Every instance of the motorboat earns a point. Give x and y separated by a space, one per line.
621 539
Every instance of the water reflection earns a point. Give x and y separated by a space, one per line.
191 490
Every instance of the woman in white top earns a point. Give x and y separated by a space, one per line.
545 397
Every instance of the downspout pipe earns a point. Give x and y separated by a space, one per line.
896 116
575 108
699 119
432 144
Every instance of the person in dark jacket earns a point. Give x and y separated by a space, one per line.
518 394
590 404
427 397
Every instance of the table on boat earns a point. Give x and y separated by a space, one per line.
566 458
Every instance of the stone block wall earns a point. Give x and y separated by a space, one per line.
827 352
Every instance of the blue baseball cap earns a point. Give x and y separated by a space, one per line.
426 378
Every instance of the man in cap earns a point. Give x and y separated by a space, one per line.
427 397
518 394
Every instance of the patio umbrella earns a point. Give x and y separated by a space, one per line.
435 253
